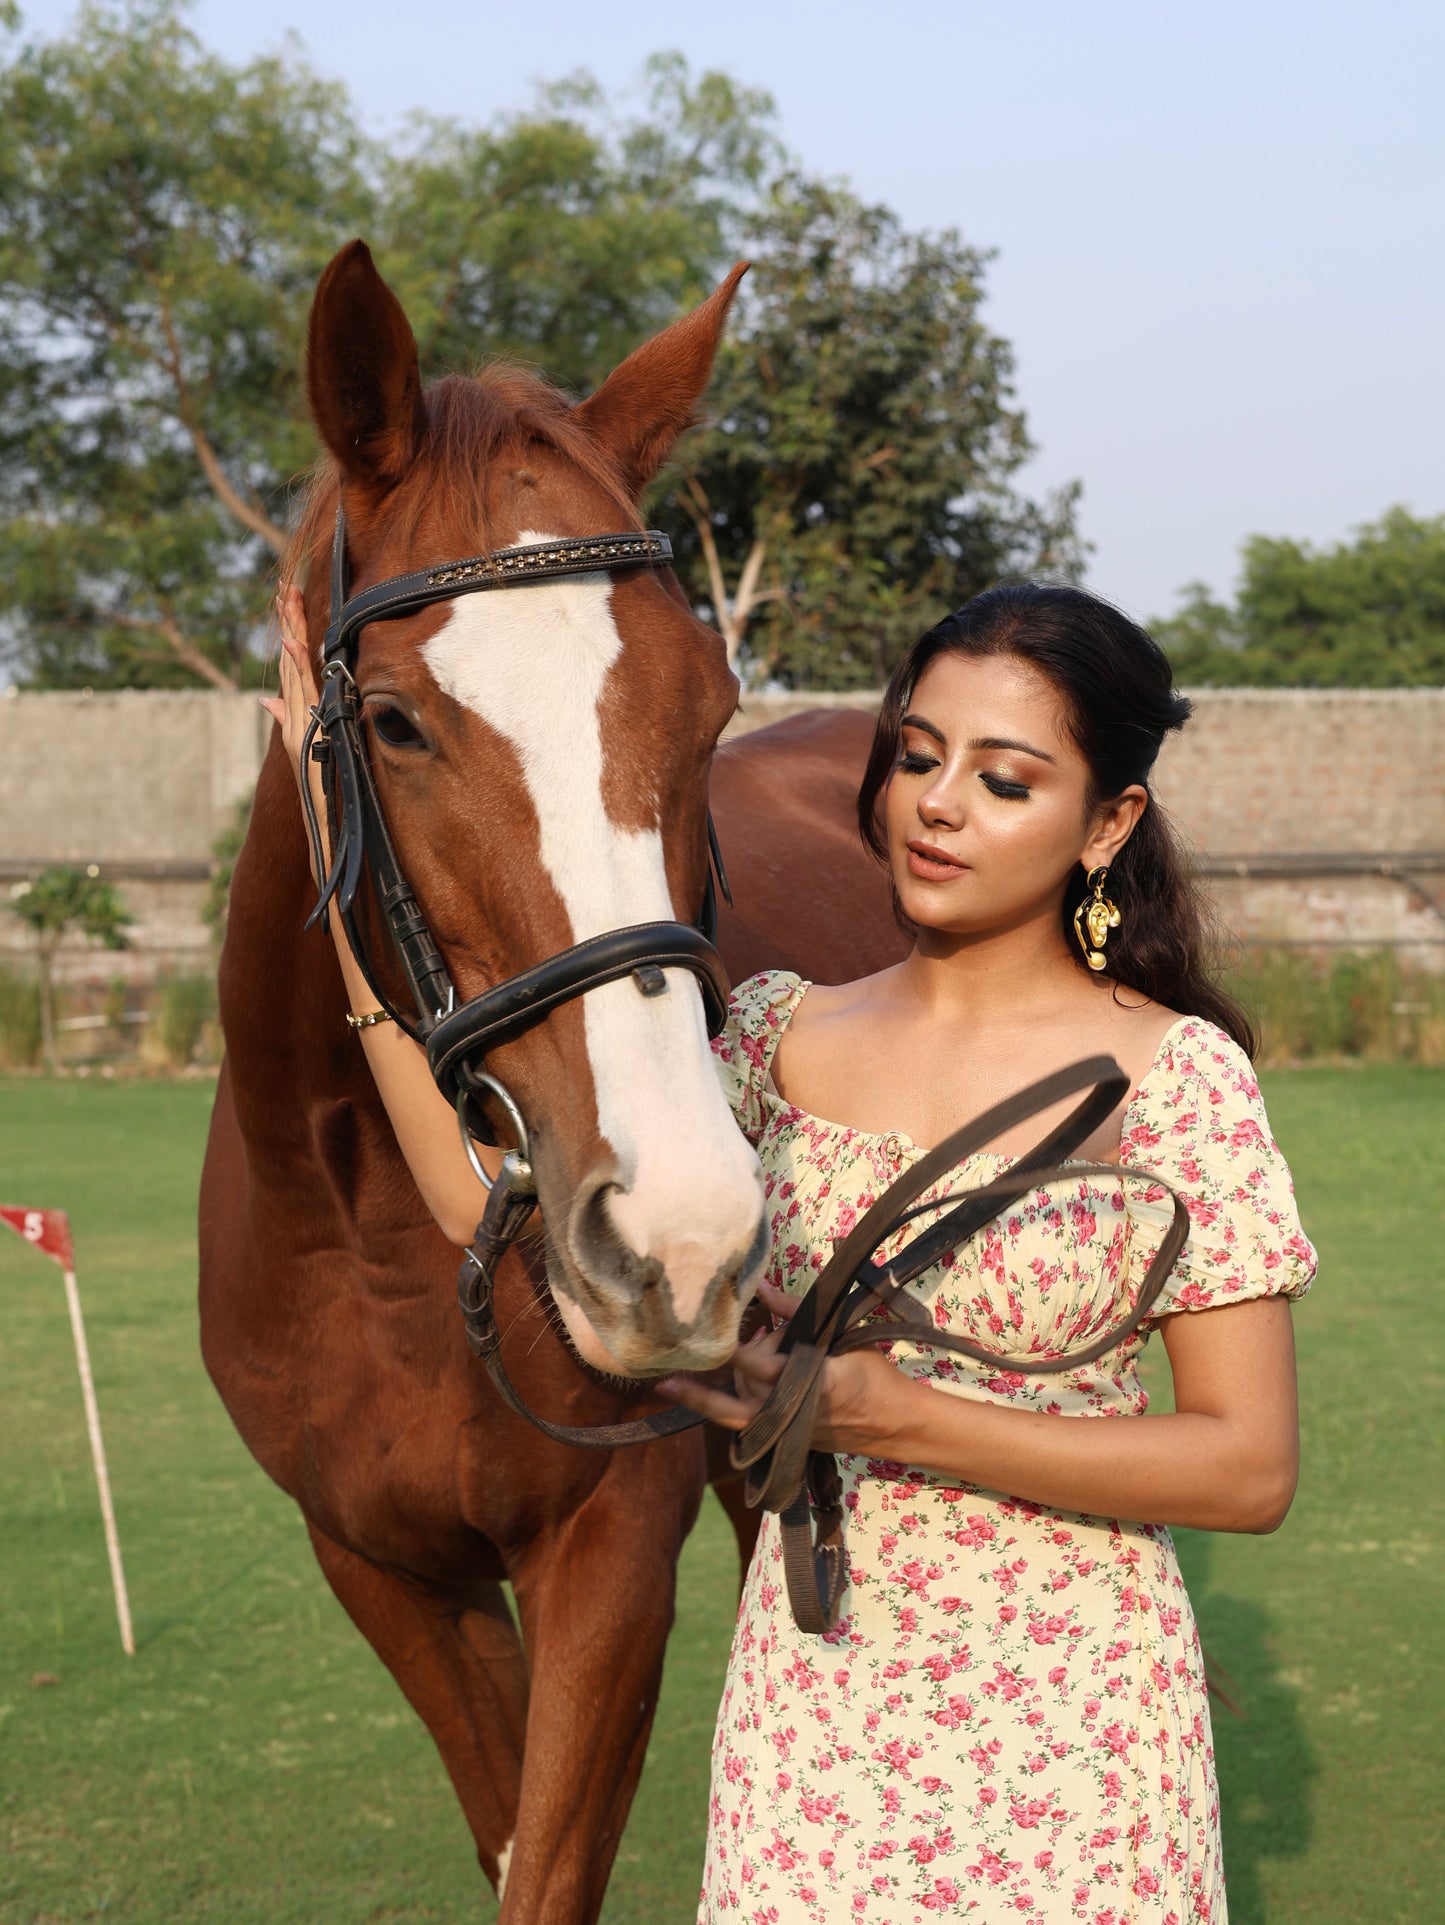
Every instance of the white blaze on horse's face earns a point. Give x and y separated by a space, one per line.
532 661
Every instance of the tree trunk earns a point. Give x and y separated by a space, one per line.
43 960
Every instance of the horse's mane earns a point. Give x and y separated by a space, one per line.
471 420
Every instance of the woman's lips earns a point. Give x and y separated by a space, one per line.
932 864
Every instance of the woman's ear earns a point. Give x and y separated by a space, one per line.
1114 822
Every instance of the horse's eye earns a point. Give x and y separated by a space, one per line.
394 727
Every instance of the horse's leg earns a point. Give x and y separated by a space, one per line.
596 1602
462 1670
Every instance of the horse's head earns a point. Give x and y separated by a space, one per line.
541 757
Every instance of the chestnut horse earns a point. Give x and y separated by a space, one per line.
542 758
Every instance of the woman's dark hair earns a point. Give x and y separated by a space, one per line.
1119 692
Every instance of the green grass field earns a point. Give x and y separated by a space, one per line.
254 1762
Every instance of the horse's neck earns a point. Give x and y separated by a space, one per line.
283 1002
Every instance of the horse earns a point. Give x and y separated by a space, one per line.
545 757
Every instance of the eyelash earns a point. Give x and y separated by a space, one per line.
916 762
1001 786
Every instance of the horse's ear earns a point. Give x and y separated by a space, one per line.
362 374
644 405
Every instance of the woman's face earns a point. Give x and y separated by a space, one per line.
985 811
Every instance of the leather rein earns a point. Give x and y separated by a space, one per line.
854 1301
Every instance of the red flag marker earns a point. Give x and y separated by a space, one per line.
49 1232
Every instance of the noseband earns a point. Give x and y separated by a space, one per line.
457 1036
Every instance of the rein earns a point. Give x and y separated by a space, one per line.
784 1473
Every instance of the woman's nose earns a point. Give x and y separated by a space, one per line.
942 802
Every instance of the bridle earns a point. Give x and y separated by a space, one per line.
854 1301
457 1036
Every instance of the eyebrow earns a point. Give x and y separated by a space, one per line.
979 741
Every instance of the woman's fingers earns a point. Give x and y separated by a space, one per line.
291 614
292 707
777 1302
732 1413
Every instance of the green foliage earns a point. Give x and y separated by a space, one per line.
1367 613
60 899
1357 1003
63 898
180 1010
19 1019
564 236
216 904
167 215
854 485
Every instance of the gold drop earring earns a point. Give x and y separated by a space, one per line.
1095 918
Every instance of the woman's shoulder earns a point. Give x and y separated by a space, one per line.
1195 1058
765 1001
1198 1122
1200 1096
758 1013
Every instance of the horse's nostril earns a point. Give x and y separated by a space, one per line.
678 1267
601 1252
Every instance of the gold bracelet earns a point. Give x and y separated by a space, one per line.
369 1020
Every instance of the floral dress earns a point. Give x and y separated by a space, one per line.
1010 1721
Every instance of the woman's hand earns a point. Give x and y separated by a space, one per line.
292 707
863 1400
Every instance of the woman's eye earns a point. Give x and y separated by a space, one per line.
394 727
1002 785
916 762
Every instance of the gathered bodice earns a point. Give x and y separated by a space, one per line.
1057 1268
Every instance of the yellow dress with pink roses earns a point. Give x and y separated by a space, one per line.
1010 1721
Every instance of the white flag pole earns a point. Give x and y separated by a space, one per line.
97 1452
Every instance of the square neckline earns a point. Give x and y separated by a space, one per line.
770 1092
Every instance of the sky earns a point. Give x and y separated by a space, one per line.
1217 226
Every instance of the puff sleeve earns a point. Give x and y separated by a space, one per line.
1198 1121
758 1013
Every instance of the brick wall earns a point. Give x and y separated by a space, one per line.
1297 802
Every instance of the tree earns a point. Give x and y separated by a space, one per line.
564 236
855 482
165 216
1366 613
61 899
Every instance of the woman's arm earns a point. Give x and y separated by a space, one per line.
1226 1459
426 1129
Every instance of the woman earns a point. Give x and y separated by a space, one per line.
1011 1719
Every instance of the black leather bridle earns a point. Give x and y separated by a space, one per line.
457 1036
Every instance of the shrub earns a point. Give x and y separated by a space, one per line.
183 1006
1364 1004
19 1020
